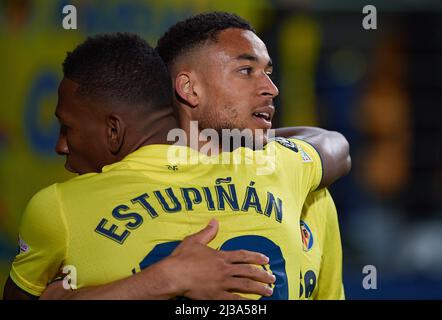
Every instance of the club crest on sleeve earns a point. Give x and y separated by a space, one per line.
287 143
307 236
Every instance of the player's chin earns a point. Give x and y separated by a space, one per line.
260 135
69 167
261 138
256 130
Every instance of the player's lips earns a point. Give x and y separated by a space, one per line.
263 116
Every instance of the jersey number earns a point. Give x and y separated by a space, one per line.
252 243
309 284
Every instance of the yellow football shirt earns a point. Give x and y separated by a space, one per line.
321 262
109 225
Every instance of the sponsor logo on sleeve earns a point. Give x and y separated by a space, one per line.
304 155
22 245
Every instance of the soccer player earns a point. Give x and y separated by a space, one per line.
321 262
192 51
123 102
118 136
212 59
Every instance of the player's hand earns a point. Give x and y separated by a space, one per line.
200 272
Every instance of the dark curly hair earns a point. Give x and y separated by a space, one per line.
122 67
196 30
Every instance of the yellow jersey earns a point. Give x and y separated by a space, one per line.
109 225
321 262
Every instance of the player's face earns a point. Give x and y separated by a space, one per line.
237 89
81 131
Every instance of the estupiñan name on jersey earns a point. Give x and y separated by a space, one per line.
219 197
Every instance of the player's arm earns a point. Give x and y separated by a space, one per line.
330 275
12 292
42 245
332 146
193 270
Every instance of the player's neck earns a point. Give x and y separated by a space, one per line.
157 129
198 139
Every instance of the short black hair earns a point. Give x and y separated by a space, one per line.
196 30
122 67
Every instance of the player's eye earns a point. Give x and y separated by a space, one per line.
246 71
269 73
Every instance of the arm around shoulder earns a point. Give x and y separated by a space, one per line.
332 147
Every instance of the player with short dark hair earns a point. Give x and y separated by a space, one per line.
111 68
221 74
306 161
196 30
113 100
116 77
218 55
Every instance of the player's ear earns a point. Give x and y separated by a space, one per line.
185 88
115 131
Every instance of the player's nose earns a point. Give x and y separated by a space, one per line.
61 147
268 88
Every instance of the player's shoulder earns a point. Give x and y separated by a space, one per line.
42 206
317 209
321 199
45 195
284 149
51 196
88 186
318 195
287 143
299 149
77 179
79 183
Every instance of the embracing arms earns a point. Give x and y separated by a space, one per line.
332 146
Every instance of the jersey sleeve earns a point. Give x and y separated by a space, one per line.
42 243
309 175
330 286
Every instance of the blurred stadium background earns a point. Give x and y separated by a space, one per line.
381 88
